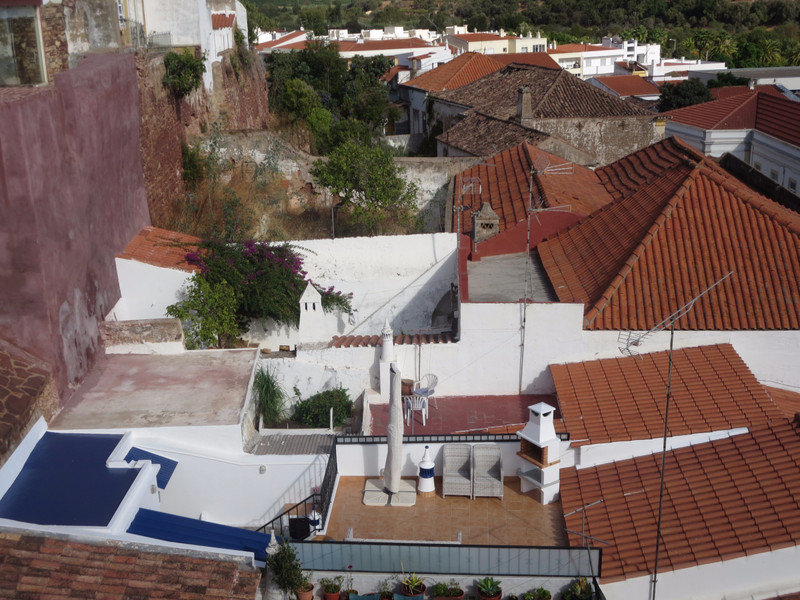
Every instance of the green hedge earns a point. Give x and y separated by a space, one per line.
314 411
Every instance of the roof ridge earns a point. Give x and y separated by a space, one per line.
549 91
636 253
741 106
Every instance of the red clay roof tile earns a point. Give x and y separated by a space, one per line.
161 248
462 70
700 527
222 20
363 341
40 567
679 223
623 398
629 85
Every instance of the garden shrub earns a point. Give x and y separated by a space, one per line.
271 396
184 72
314 411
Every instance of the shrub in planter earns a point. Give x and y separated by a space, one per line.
331 587
287 571
450 590
489 587
385 590
412 585
541 593
314 411
579 589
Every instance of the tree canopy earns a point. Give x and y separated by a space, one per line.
684 93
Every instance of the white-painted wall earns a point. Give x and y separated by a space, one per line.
754 577
776 155
146 290
367 460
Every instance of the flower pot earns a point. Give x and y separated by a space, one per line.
413 594
333 595
306 593
347 593
484 597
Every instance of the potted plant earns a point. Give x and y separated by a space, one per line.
489 588
411 585
331 587
531 595
450 590
385 590
348 584
541 593
287 572
579 589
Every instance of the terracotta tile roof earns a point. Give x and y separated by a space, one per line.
622 399
506 186
391 73
723 500
222 20
733 112
629 85
539 59
733 90
370 45
565 48
779 117
161 248
677 225
462 70
479 134
788 402
40 567
555 94
365 341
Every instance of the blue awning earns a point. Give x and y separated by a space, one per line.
167 464
173 528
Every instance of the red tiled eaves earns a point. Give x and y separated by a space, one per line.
367 341
722 500
222 20
161 248
39 567
462 70
733 112
568 48
622 399
539 59
788 402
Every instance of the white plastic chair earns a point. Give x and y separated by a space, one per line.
426 386
419 403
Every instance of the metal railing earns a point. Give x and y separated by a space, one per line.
320 501
386 557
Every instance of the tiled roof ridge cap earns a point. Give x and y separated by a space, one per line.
557 81
649 236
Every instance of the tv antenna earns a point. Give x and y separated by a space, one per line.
586 537
634 341
542 166
631 340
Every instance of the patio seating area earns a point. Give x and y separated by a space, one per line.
516 520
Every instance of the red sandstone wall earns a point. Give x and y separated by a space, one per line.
71 197
237 104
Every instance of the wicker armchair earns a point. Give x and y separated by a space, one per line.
487 471
456 473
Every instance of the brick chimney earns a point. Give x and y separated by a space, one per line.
485 223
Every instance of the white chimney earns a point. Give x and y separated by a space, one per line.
311 327
539 454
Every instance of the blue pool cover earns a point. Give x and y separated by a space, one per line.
167 464
173 528
65 481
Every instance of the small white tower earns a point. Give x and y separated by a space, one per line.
387 357
312 320
539 451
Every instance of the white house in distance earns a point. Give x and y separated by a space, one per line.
757 126
460 40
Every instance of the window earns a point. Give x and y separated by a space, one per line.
793 185
524 49
773 174
757 166
21 61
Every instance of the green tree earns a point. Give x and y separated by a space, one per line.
207 312
368 183
300 99
683 93
183 72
